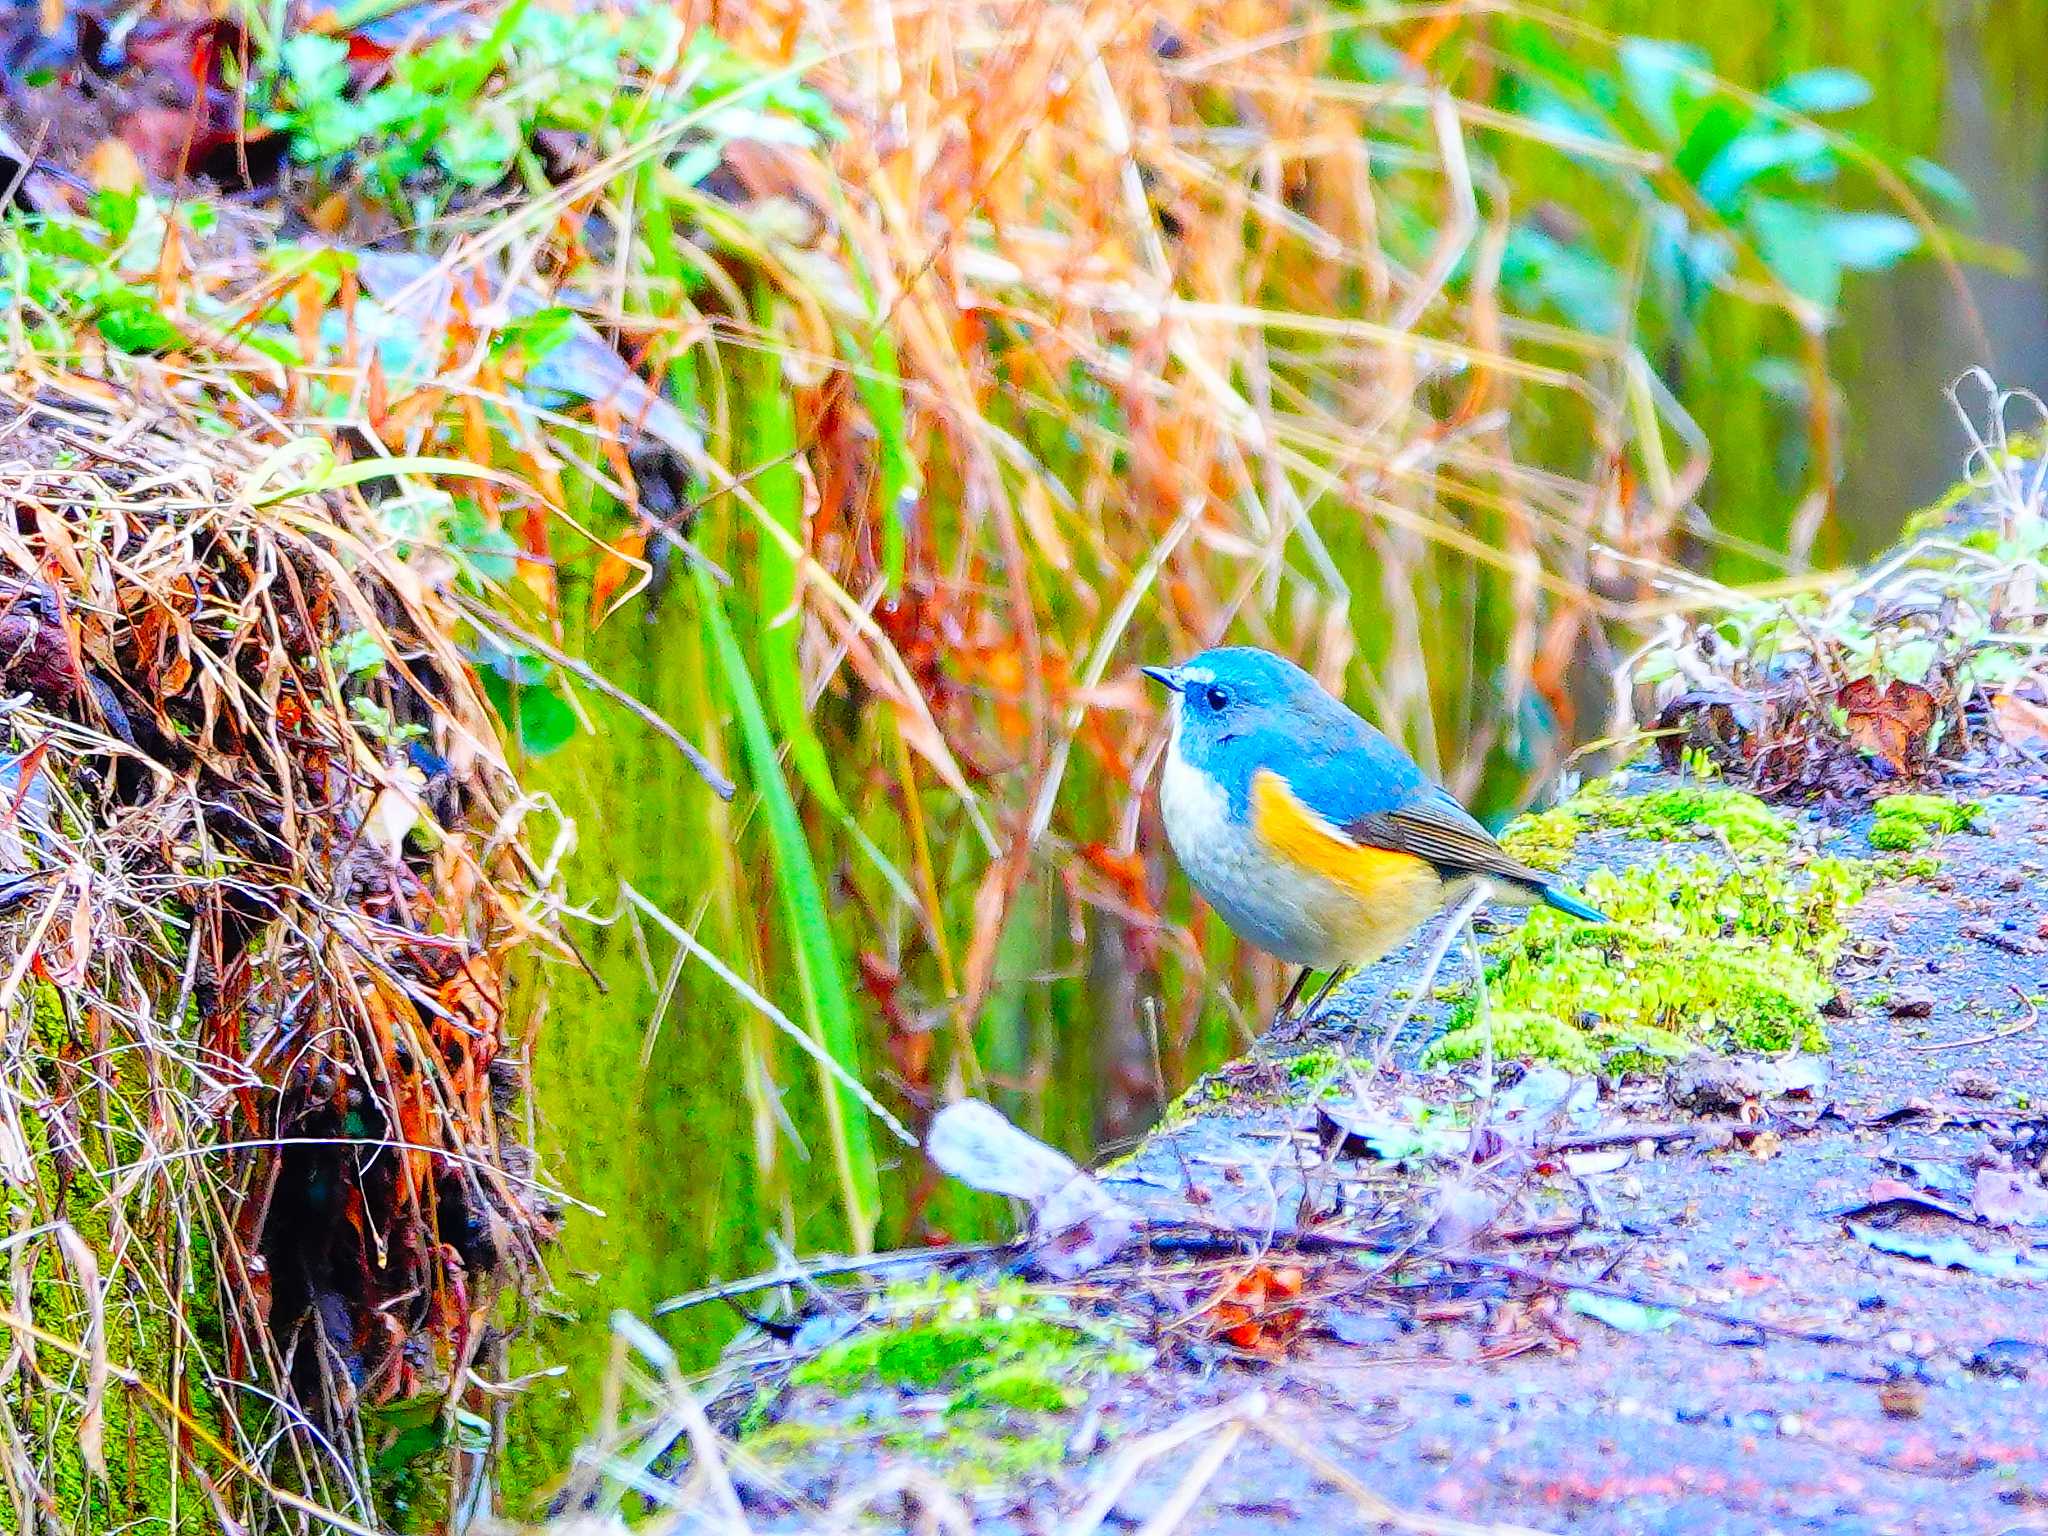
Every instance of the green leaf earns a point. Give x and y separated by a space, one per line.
882 392
478 145
1758 153
535 335
1869 242
1941 184
316 64
1721 125
358 651
489 553
1660 82
1815 91
115 212
1540 269
1792 242
1911 659
543 719
132 322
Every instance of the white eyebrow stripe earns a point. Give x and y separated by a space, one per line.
1197 675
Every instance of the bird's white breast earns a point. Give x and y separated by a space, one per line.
1292 913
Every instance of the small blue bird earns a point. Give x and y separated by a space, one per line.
1314 836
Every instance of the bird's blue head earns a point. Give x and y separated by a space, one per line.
1236 709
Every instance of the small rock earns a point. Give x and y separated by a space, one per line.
1973 1083
1902 1399
1713 1085
1838 1006
1911 1003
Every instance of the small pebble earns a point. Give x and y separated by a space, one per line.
1912 1003
1973 1083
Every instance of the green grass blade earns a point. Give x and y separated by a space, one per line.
881 391
772 449
827 1004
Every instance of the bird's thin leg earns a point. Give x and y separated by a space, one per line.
1322 993
1453 926
1293 994
1482 1014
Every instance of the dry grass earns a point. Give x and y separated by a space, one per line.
253 1112
1926 668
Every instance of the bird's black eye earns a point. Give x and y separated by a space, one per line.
1217 698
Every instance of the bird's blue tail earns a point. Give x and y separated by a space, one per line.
1565 902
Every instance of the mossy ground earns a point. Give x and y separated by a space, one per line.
1907 823
1735 818
1003 1345
996 1362
1693 955
1697 953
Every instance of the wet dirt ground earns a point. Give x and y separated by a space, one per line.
1802 1379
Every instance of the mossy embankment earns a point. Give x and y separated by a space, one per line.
263 1176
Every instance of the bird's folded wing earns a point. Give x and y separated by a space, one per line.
1443 833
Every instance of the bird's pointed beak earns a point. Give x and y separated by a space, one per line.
1166 677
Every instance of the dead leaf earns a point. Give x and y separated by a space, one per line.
114 167
1889 722
2022 724
1077 1225
1259 1312
623 561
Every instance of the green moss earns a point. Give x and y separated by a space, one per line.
1686 811
1205 1091
1005 1357
1693 955
1025 1386
982 1450
1310 1066
1003 1346
1907 823
790 1441
1546 840
144 1483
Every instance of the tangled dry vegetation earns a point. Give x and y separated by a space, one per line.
1924 670
262 876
